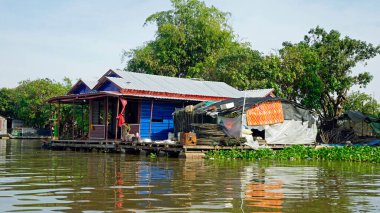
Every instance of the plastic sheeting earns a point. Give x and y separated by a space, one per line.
231 126
294 112
356 116
291 132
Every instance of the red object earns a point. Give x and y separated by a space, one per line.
120 117
171 95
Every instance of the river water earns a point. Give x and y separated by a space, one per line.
33 179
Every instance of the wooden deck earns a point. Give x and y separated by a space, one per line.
175 150
129 147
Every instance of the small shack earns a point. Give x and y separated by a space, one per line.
269 120
352 127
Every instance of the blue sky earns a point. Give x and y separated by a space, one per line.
83 39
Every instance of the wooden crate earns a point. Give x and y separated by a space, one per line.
188 139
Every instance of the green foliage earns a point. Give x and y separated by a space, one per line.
359 101
6 106
317 72
299 152
239 66
152 155
28 100
195 41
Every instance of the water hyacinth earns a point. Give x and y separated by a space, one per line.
299 152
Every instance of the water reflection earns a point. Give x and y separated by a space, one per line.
32 179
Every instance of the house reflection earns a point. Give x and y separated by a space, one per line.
265 195
260 193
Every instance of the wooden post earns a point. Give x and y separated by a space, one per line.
51 119
89 118
73 121
151 117
106 127
117 113
58 119
82 121
139 116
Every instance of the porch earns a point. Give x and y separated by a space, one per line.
148 118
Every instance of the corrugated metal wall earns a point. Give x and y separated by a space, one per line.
162 119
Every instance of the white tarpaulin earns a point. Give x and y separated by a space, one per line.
291 132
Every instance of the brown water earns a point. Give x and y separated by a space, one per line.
32 179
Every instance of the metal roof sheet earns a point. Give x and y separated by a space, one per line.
91 84
257 93
156 83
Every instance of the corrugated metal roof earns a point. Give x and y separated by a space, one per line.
91 84
168 86
156 83
257 93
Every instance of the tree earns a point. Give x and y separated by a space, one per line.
190 39
294 74
337 58
317 71
6 99
359 101
239 66
29 103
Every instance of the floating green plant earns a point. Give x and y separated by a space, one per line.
299 152
152 155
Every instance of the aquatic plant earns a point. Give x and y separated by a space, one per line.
152 155
299 152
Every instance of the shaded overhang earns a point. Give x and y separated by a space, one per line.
82 98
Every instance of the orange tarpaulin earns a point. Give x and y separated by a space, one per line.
265 113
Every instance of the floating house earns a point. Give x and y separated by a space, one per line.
146 102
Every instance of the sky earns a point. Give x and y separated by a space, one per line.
83 39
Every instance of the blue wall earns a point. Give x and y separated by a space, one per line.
108 86
81 89
162 113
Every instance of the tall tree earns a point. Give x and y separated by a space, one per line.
190 39
238 66
317 71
